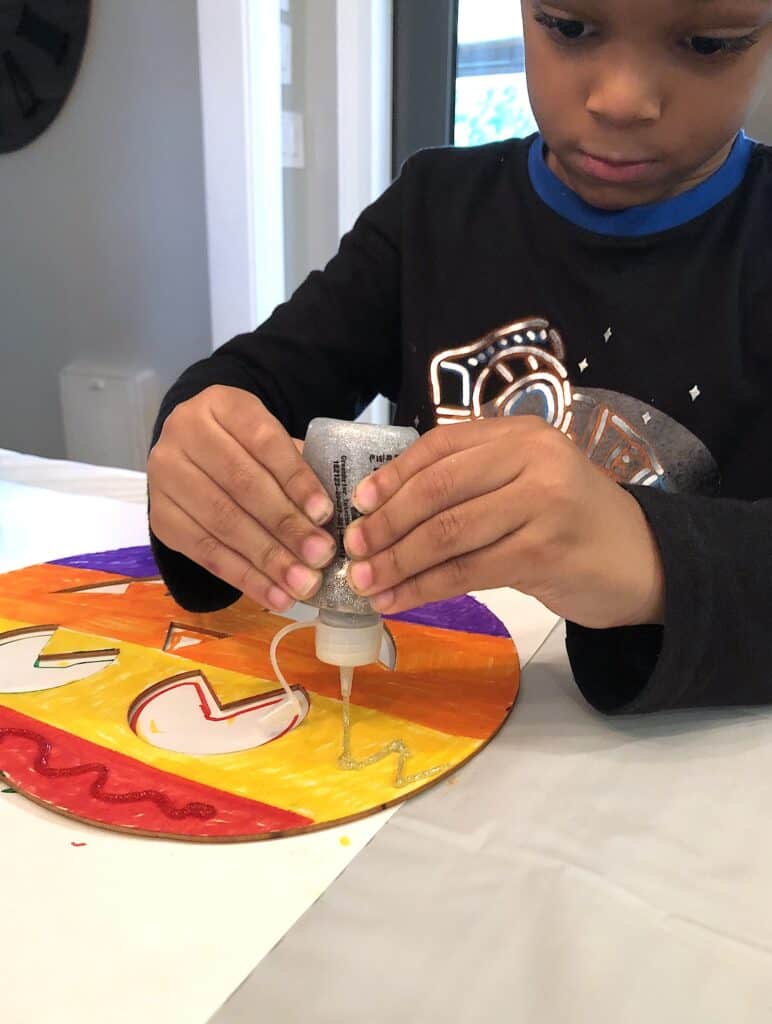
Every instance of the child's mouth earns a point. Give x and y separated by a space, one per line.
613 171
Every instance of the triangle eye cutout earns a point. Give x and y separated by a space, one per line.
102 588
114 586
183 714
180 636
25 669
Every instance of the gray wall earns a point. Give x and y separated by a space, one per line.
760 125
103 250
311 193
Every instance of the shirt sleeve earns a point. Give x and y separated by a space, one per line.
716 645
328 351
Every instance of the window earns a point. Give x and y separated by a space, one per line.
491 95
459 74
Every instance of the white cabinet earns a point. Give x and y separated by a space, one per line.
108 414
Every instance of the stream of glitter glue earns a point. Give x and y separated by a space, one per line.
348 763
164 804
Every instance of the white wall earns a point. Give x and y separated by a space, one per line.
102 235
341 84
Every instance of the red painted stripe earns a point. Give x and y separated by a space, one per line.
107 788
101 773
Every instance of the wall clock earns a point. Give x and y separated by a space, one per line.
41 45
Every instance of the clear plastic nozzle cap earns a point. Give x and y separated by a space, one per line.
348 640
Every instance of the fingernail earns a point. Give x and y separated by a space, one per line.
355 541
361 576
383 601
278 600
318 551
301 581
365 496
319 509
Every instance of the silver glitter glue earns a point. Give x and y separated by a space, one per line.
342 454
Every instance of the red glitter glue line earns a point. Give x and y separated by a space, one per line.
41 765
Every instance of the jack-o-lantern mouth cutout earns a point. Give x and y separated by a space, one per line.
26 669
183 714
120 709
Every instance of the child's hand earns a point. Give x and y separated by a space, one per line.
229 489
505 502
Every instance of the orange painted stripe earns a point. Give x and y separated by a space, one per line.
429 686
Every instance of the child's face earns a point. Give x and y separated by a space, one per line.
639 100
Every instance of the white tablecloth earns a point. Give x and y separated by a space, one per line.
581 870
73 477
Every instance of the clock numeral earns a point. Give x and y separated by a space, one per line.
27 99
43 34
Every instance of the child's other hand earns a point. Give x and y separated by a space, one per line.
505 502
229 488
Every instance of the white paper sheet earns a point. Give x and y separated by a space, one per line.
128 929
125 929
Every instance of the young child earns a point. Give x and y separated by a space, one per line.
558 316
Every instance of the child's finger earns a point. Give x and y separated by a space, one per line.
175 528
479 570
438 444
440 487
261 434
225 523
254 489
444 538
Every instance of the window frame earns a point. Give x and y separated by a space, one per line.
425 52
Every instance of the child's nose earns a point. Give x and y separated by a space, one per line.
623 95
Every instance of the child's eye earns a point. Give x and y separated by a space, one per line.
568 29
711 46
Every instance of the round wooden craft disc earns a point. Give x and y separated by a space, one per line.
120 709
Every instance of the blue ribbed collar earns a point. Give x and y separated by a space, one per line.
637 221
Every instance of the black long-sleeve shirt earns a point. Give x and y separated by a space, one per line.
479 284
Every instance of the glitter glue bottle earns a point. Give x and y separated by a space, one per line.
348 632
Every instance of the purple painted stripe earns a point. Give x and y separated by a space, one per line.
134 562
463 614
